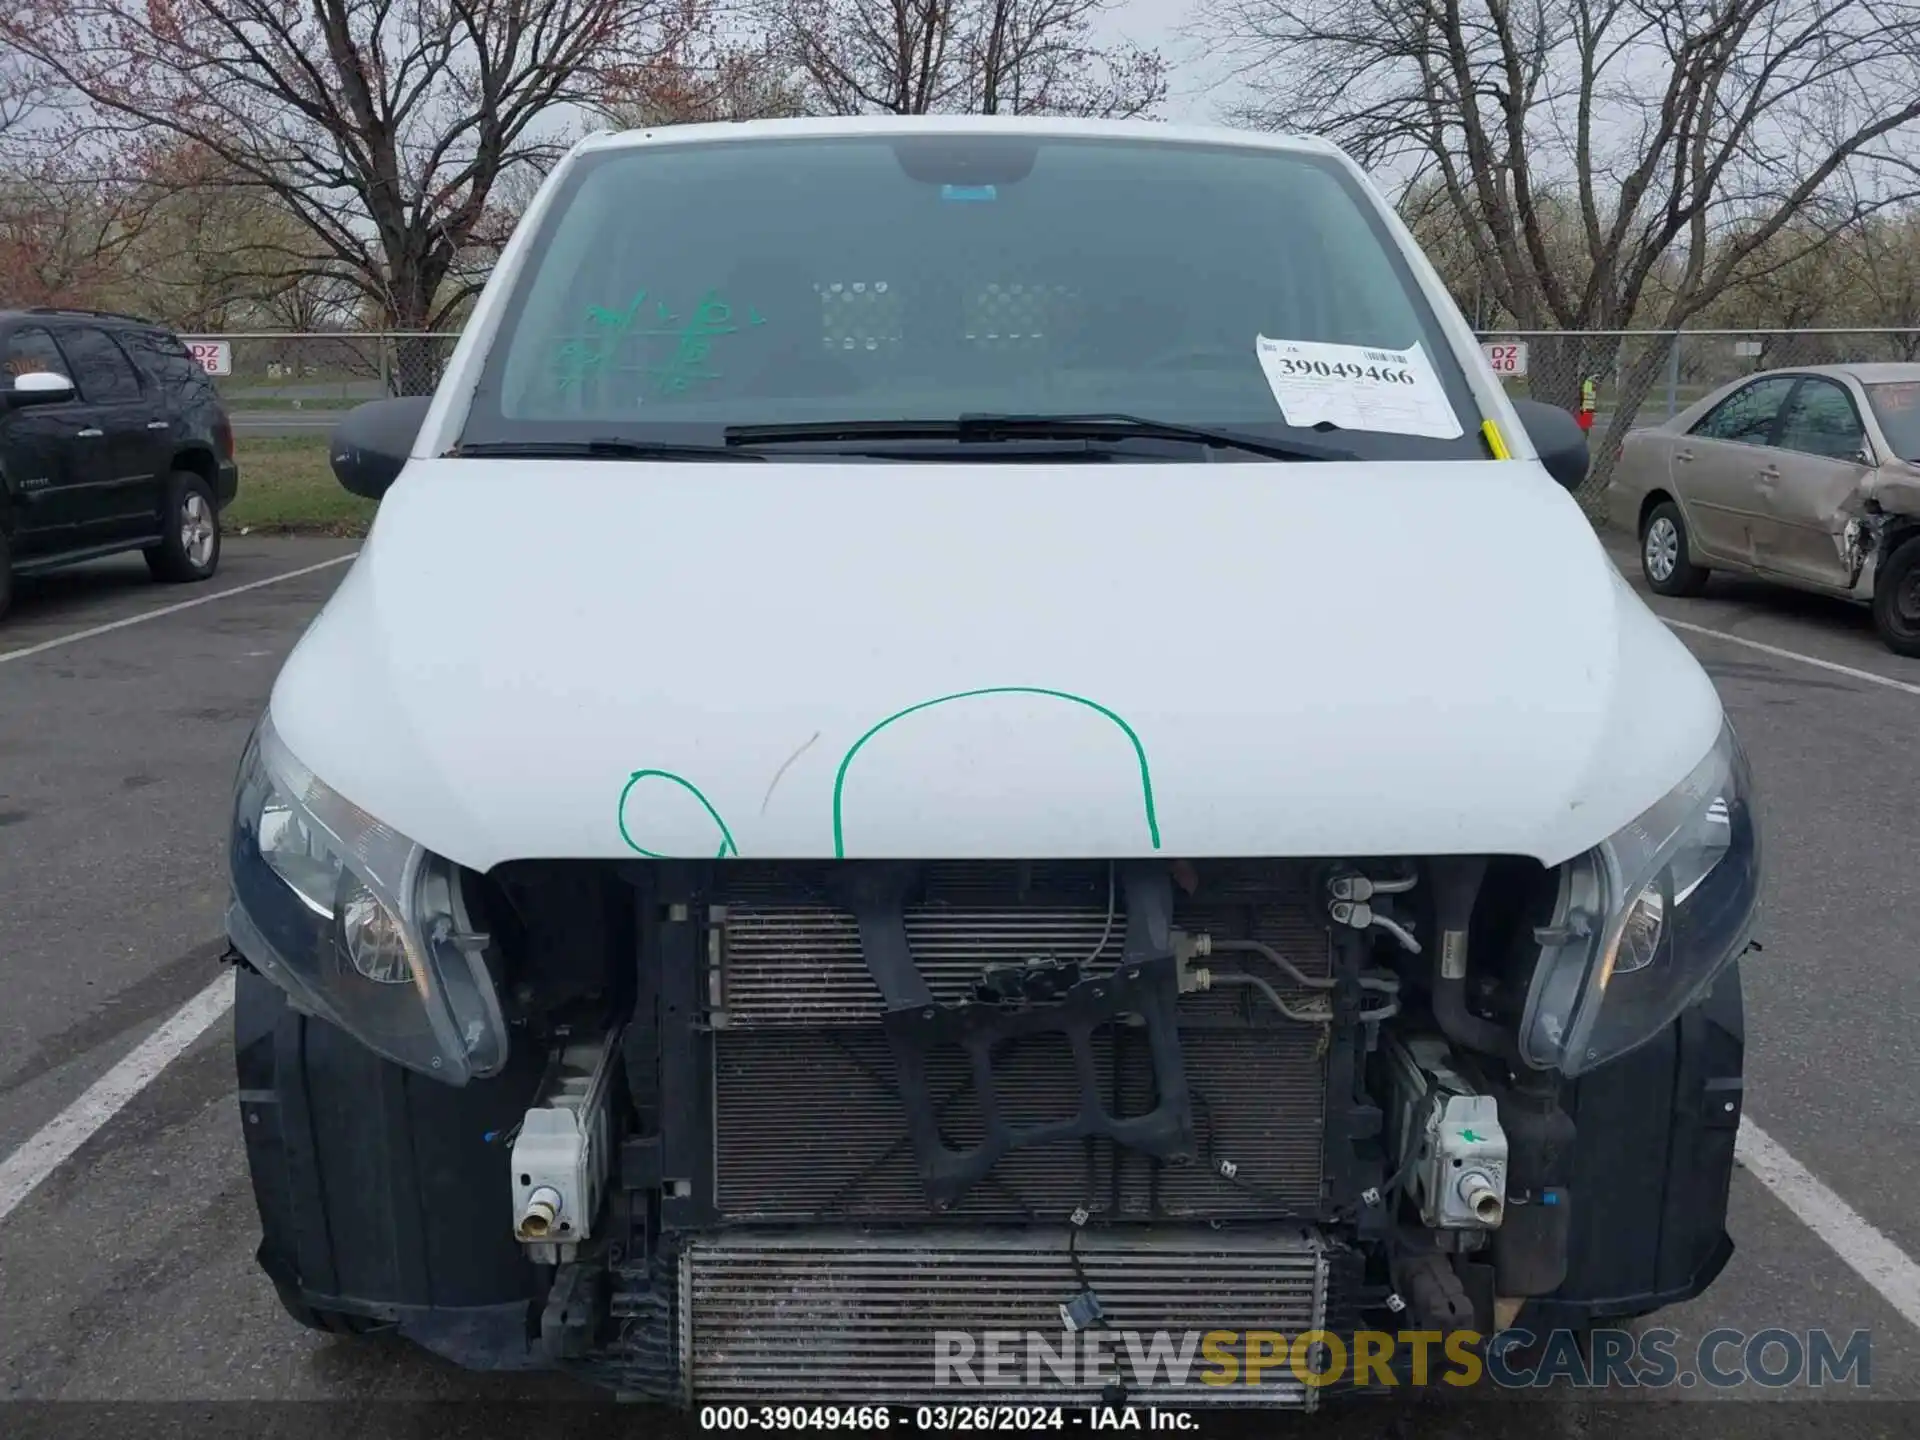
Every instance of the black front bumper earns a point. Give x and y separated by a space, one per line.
1652 1169
381 1195
384 1195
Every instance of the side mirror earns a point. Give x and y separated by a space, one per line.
370 446
38 387
1559 439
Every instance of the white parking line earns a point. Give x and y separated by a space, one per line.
175 609
50 1146
1871 1255
1774 650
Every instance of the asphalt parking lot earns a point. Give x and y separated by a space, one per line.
127 1272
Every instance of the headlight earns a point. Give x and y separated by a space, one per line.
356 922
1647 919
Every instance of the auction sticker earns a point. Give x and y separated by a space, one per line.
1357 387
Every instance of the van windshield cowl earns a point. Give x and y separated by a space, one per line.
683 294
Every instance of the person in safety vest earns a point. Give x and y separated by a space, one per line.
1589 390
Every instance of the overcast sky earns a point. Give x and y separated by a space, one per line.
1195 95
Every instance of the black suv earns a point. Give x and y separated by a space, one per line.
111 439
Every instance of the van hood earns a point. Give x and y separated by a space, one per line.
541 659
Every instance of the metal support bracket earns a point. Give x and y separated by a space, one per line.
1145 984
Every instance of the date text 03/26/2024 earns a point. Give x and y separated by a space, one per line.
940 1419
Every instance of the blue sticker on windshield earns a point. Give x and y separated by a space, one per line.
968 192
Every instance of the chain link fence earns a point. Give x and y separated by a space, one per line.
1674 368
1636 377
291 370
313 374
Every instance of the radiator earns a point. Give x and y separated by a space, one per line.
808 1126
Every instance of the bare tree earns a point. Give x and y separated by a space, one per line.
71 221
382 126
63 222
1796 281
1883 272
210 249
1677 139
918 57
715 70
307 299
23 89
1040 57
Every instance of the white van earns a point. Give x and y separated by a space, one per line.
943 731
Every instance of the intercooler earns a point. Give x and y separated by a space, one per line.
808 1121
867 1317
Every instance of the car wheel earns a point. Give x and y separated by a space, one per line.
1896 600
191 549
1663 553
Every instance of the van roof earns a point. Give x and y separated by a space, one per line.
839 126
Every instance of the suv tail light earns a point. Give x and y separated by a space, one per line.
223 437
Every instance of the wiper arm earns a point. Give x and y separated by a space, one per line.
985 429
606 448
810 431
1119 427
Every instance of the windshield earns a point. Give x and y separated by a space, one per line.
678 290
1897 408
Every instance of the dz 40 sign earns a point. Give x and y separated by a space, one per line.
1506 357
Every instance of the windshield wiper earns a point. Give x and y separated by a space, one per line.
603 449
1121 427
985 429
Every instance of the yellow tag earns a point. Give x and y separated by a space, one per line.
1490 432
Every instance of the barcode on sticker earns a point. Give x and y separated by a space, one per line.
1386 356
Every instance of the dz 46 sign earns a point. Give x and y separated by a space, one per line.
213 356
1506 357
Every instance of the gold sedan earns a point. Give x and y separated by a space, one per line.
1809 477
